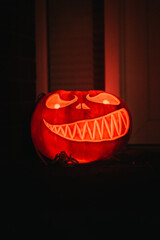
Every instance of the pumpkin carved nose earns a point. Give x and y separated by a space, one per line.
82 106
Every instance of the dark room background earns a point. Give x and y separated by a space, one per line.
76 49
18 35
111 45
76 44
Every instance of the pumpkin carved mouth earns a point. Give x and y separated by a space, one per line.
105 128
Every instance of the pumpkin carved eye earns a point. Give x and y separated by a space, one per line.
104 98
55 102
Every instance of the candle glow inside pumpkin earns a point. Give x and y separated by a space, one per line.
89 125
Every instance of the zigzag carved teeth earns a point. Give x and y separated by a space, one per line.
108 127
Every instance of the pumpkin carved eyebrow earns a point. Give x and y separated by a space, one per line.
104 98
54 101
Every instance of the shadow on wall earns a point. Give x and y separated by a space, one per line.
19 32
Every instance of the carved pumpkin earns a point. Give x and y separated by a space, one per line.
89 125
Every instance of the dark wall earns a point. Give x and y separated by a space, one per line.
98 44
19 74
76 44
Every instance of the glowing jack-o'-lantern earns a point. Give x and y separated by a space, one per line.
89 125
